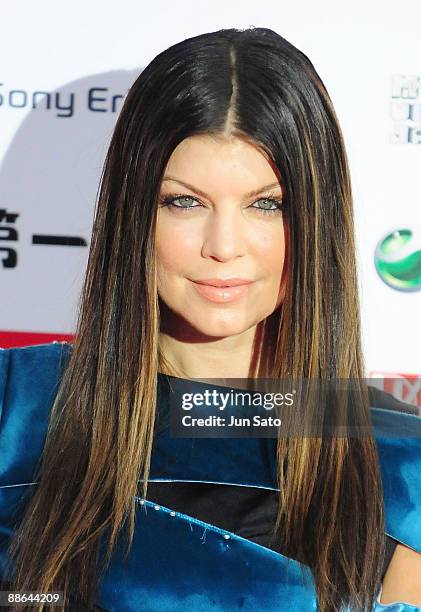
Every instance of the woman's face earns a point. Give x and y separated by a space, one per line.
215 229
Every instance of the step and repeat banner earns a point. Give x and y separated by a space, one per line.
63 79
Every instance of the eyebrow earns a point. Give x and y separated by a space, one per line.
204 195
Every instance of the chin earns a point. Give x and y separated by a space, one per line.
219 327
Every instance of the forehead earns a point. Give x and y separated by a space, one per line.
214 162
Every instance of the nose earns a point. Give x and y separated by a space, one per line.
224 236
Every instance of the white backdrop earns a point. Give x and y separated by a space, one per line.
86 56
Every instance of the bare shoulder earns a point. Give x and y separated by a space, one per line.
402 581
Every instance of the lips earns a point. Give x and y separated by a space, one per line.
220 282
221 292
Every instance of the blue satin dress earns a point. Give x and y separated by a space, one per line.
178 562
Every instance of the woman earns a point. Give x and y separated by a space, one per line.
227 161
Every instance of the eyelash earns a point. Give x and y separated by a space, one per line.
168 200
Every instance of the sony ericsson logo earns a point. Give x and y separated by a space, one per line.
398 259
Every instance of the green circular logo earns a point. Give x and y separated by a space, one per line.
398 259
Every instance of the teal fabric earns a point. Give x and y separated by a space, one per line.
178 562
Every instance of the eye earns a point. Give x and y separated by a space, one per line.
170 199
275 205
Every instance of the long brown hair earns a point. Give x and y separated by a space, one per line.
252 84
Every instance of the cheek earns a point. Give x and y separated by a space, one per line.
269 247
175 247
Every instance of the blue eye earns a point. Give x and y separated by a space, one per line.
169 201
277 203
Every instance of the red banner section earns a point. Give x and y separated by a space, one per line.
405 387
10 339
